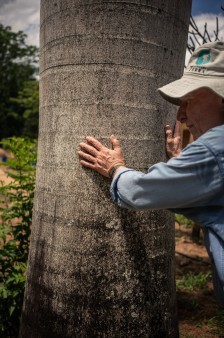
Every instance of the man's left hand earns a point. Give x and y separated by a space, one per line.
173 140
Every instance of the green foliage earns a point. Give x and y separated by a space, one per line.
15 223
192 282
17 66
28 101
180 219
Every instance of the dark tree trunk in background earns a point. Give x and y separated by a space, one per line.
96 270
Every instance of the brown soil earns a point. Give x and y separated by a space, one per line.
198 312
3 176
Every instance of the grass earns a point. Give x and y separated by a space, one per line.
199 314
180 219
190 281
194 310
216 324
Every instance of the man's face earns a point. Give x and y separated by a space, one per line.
201 110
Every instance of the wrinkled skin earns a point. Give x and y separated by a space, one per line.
173 140
96 156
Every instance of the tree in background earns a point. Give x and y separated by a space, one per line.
18 67
27 102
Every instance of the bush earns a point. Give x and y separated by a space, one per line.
180 219
16 203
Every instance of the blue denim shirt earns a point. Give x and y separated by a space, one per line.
191 184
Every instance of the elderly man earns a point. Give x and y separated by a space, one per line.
192 181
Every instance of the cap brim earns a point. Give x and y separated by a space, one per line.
174 91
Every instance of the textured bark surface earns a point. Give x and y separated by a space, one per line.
96 270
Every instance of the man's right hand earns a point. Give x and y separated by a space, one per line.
173 140
96 156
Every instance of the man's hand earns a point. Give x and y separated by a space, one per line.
173 140
100 158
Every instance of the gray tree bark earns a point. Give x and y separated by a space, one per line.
96 270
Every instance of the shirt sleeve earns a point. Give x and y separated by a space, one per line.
190 180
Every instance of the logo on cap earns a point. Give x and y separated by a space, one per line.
203 57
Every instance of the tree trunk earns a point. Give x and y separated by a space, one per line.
96 270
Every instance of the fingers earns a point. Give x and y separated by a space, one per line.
86 156
98 145
92 163
89 152
87 164
115 143
89 149
92 152
96 156
168 131
178 129
173 142
94 142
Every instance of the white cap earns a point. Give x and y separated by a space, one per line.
205 70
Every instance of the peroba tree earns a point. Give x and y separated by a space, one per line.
17 67
96 270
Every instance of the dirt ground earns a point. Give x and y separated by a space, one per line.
3 176
198 312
